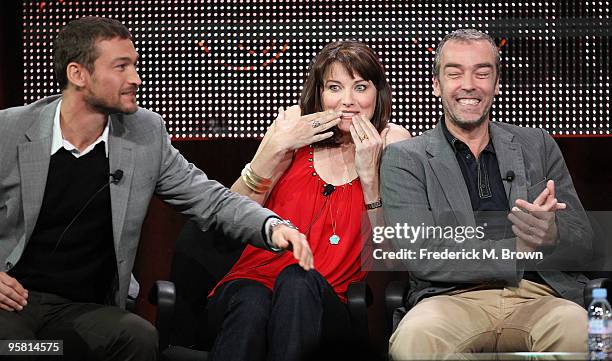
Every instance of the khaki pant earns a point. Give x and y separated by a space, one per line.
530 317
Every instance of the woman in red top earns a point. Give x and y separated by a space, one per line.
320 171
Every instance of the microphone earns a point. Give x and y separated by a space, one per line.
509 176
116 175
115 178
328 189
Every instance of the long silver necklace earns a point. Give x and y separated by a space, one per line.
334 239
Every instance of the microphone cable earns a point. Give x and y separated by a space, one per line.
115 178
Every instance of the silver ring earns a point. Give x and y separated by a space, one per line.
316 123
530 231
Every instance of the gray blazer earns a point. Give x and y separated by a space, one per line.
140 146
421 183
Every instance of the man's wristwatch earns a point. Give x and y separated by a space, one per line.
273 224
277 222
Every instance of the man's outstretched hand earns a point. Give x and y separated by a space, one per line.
285 237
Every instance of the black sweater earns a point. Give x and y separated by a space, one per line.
81 267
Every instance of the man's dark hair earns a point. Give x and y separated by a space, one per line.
77 43
358 59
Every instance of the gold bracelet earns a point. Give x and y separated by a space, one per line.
256 178
252 185
259 183
254 182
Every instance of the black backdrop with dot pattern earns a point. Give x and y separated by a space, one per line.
222 68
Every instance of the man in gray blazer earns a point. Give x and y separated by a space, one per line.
461 174
77 173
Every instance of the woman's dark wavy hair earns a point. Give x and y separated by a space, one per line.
358 59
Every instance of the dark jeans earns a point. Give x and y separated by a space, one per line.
301 316
89 331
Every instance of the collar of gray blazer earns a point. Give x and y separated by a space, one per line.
444 164
43 127
34 157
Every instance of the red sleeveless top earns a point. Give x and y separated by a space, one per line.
298 197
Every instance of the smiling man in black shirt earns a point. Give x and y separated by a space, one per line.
467 172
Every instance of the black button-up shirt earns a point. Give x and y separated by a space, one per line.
481 175
486 189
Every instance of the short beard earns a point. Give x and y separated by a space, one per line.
100 106
468 125
462 123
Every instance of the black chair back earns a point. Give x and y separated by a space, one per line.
200 260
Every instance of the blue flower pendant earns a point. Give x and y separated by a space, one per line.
334 239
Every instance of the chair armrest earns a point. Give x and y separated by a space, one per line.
163 295
394 299
596 283
359 298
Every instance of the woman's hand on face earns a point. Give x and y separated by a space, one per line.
369 145
292 131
